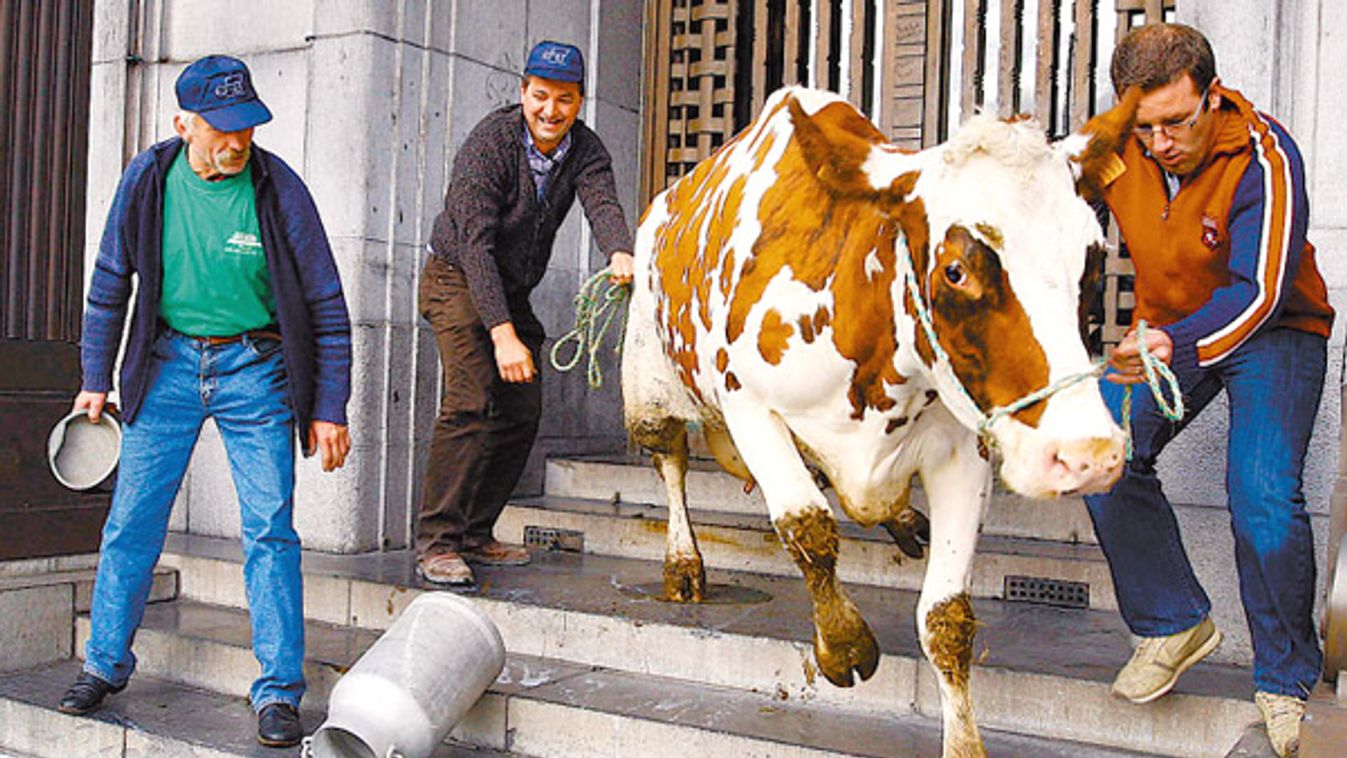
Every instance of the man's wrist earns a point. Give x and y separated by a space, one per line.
503 332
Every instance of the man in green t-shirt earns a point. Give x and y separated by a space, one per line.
239 317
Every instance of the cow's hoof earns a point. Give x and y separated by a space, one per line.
911 530
852 649
684 580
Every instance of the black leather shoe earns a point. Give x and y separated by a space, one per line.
86 694
278 725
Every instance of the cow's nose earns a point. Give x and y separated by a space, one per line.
1087 465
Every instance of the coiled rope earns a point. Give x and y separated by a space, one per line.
1155 371
595 308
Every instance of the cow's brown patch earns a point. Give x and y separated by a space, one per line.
992 235
843 642
983 327
895 424
822 318
732 381
806 328
773 337
722 360
686 266
824 234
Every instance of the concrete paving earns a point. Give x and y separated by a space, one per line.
1019 536
1039 671
152 718
747 542
555 708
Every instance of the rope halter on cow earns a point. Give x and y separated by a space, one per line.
1154 367
595 310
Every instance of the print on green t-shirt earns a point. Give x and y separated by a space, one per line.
215 272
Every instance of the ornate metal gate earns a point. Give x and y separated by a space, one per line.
45 50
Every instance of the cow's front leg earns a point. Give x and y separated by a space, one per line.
843 643
958 488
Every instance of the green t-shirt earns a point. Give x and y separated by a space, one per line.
215 273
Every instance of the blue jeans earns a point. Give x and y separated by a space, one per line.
243 387
1273 383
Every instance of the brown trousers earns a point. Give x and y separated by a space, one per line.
486 426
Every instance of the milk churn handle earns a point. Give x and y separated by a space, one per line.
306 749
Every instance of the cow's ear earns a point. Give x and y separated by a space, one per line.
1094 149
836 142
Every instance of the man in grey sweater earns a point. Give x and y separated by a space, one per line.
513 182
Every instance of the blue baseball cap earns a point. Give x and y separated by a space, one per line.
220 89
556 60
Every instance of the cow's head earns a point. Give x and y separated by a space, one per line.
998 238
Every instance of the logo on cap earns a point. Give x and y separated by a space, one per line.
233 85
556 56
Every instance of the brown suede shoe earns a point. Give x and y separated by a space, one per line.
496 553
444 568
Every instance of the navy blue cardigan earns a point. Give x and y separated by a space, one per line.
310 308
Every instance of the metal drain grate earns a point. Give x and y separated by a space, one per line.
549 538
1058 592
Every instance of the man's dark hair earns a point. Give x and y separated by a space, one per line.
524 80
1155 55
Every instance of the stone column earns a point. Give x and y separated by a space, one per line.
371 98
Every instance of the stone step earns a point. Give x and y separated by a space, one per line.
1062 524
555 708
747 542
1324 732
152 718
37 610
1038 671
632 479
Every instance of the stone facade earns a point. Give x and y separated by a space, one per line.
372 98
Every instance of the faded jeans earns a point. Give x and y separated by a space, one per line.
243 387
1273 383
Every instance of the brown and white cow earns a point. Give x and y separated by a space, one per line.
771 307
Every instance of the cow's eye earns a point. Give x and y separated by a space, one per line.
954 273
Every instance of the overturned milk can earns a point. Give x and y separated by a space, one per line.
409 689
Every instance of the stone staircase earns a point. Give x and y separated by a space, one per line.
599 666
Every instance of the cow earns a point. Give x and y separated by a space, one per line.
820 302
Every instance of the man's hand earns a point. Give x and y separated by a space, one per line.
1126 358
622 267
92 402
332 441
513 358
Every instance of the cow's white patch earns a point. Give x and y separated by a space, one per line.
873 265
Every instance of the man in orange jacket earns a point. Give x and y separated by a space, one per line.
1213 210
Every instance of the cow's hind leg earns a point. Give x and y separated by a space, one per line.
958 488
667 439
844 646
911 531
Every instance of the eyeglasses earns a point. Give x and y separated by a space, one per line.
1174 129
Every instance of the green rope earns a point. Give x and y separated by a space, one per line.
595 309
1155 371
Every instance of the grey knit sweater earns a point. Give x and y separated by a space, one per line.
495 229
